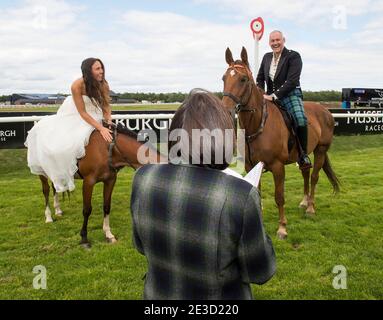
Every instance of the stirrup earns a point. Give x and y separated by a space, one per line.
304 162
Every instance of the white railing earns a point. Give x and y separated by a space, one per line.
52 106
357 115
161 116
167 116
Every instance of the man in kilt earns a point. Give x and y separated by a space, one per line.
281 70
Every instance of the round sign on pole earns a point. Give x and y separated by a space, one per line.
258 27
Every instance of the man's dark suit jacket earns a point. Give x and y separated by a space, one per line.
201 232
286 77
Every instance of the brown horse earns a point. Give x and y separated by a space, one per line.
101 164
267 135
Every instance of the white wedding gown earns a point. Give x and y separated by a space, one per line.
56 142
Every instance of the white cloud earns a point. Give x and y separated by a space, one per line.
144 52
295 10
170 52
39 41
187 53
45 42
332 68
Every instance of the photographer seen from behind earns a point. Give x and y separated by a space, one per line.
200 229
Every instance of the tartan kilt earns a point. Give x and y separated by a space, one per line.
294 105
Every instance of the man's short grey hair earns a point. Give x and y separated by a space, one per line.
274 31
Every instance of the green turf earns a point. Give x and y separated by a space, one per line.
347 230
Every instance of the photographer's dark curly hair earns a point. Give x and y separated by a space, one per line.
94 88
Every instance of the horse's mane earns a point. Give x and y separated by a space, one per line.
127 132
124 130
121 129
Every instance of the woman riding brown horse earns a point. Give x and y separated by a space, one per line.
101 164
267 135
56 143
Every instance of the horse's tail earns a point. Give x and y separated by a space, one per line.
331 174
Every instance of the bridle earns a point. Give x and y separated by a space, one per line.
243 106
113 145
239 104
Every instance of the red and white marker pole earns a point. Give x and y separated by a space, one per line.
257 26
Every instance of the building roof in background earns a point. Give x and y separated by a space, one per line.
39 96
113 94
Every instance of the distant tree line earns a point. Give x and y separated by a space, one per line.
322 95
179 96
154 97
5 98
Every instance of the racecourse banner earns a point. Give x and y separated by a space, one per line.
13 135
355 125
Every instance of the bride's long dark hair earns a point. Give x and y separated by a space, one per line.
94 89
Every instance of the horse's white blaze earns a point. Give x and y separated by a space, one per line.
106 228
232 73
56 204
48 215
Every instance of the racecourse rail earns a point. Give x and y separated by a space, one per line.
15 127
164 116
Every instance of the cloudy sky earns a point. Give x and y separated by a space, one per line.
171 46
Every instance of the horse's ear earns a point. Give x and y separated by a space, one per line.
229 56
244 57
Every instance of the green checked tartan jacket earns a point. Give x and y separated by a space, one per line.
201 232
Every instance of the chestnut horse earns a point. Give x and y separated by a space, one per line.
101 164
267 135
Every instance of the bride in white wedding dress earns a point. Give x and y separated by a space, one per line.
56 142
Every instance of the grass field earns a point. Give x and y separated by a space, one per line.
348 231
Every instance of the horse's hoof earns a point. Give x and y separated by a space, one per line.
59 213
48 220
310 211
303 205
282 235
111 240
86 245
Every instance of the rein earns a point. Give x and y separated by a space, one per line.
113 145
241 107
